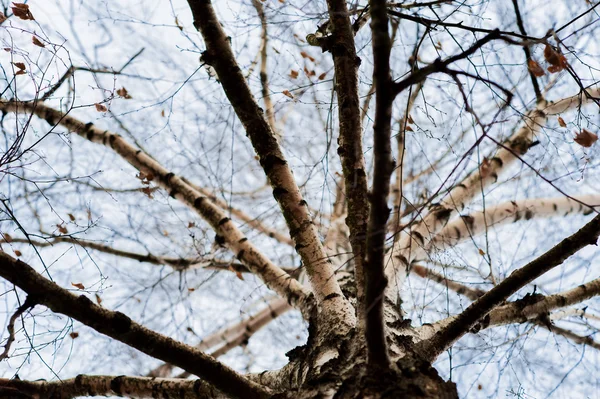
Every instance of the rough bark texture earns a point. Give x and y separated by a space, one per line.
332 304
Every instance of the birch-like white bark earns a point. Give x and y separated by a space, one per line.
273 276
421 233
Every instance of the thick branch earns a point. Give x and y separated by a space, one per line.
350 149
444 338
120 327
246 252
102 385
375 280
285 190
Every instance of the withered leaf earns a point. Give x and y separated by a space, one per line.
322 76
191 224
74 335
62 229
147 191
98 299
561 122
78 285
2 17
101 107
304 54
288 94
18 253
71 216
19 65
535 68
410 119
293 74
123 93
21 10
37 42
585 138
408 128
7 237
481 252
557 61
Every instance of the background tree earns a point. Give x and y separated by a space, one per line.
398 199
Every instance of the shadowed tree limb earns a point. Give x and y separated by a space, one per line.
440 341
375 280
120 327
102 385
350 149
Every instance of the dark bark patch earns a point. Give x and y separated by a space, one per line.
121 323
331 296
240 255
443 214
468 220
241 240
270 161
198 202
116 383
278 192
223 221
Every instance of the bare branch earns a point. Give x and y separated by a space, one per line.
285 190
588 235
246 252
102 385
375 280
120 327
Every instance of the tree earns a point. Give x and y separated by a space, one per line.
401 234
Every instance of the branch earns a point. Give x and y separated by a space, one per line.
438 65
444 338
412 243
264 79
510 212
521 311
232 336
246 252
350 150
120 327
375 280
534 82
11 326
102 385
220 56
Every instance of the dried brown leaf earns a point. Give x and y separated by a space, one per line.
37 42
62 229
78 285
71 216
7 237
293 74
585 138
18 253
2 17
561 122
123 93
21 11
98 299
322 76
19 65
535 68
74 335
288 94
101 107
